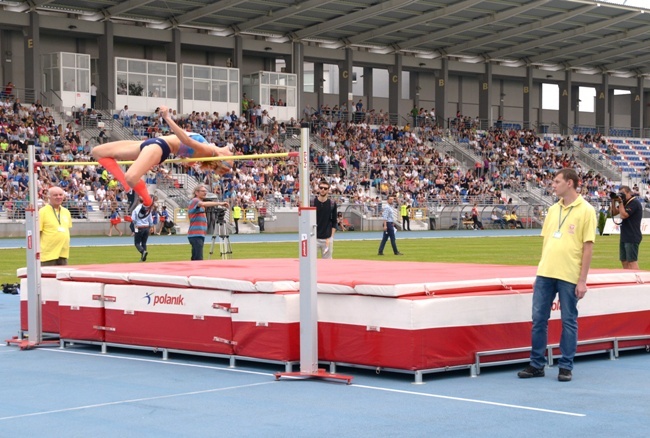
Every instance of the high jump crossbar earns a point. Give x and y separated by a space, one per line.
176 160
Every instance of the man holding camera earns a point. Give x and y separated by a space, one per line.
630 210
198 220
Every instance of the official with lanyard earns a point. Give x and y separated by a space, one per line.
55 223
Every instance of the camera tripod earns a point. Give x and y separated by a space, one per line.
221 230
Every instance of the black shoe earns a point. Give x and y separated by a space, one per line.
144 211
398 253
380 253
531 371
144 256
564 375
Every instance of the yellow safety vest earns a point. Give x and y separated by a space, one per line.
236 212
403 210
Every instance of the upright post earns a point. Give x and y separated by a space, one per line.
32 227
308 292
308 286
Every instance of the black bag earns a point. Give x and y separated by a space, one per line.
169 224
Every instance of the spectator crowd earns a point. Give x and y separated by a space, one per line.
366 159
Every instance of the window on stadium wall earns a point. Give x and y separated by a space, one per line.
145 85
275 92
66 78
207 88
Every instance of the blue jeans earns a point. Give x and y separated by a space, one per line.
543 296
197 247
389 233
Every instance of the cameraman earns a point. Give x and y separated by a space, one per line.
625 204
198 220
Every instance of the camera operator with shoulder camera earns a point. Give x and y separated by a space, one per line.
198 220
628 207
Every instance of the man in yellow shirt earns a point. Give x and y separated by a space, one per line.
404 212
236 215
569 233
55 223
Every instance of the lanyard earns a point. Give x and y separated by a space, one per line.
58 218
562 220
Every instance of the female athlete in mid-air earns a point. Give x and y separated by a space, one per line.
153 151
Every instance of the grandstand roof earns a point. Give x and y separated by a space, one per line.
586 35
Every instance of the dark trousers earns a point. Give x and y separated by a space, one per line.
406 223
140 239
432 223
236 226
390 232
56 262
197 247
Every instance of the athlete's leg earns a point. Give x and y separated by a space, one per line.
108 153
149 157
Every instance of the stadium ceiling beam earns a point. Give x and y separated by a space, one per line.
597 42
459 48
124 7
37 3
203 11
353 17
601 56
582 30
411 22
628 63
282 13
454 30
31 5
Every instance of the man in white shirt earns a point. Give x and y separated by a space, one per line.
93 95
126 116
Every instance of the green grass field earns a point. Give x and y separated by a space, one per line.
484 250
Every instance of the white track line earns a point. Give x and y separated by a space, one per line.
134 400
234 370
160 361
469 400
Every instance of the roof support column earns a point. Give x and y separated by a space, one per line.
174 47
106 68
6 56
528 99
298 68
318 85
345 83
637 108
566 90
575 104
32 58
441 93
173 50
395 89
238 54
602 106
414 88
367 87
485 97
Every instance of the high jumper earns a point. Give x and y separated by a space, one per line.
153 151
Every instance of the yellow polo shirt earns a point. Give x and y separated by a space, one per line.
566 229
55 236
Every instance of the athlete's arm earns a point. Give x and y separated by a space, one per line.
202 149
